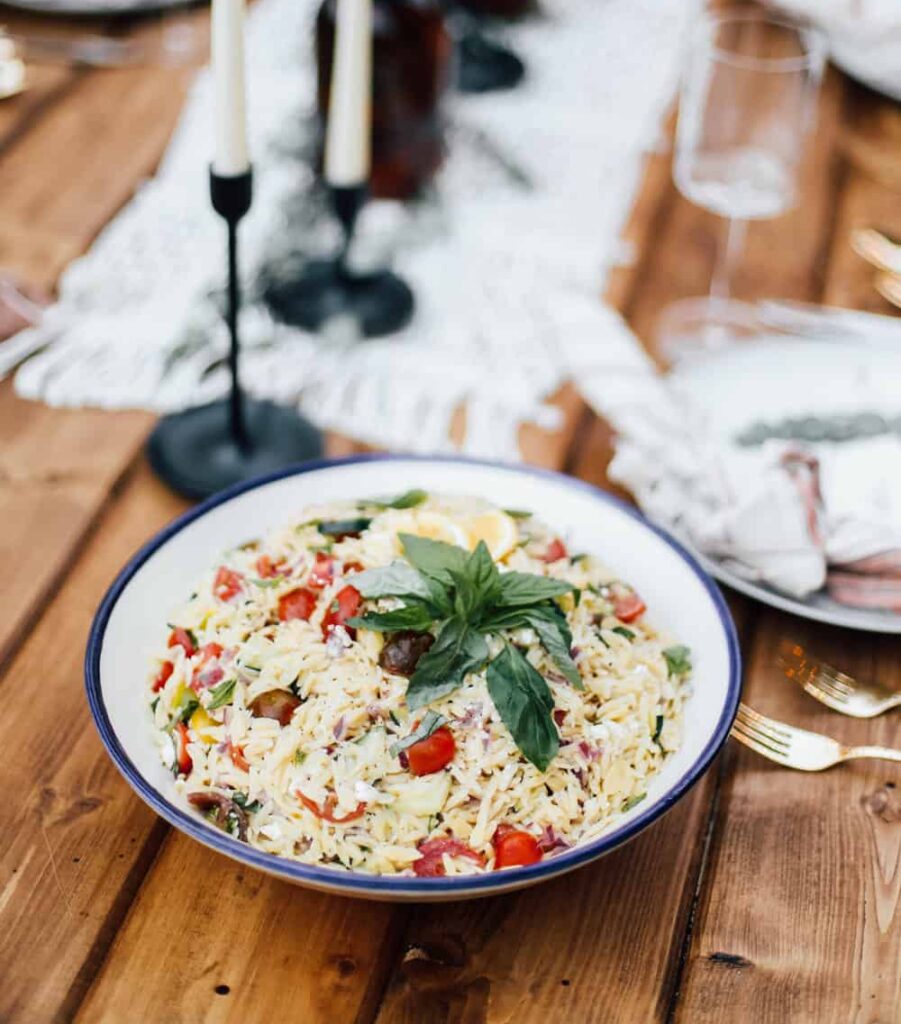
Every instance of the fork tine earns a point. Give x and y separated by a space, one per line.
751 741
843 683
821 683
774 731
765 738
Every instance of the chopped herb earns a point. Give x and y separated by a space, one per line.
272 581
633 801
222 694
154 703
623 631
430 722
339 528
248 805
517 513
300 756
658 728
394 718
678 660
409 499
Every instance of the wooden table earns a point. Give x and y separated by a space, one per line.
764 896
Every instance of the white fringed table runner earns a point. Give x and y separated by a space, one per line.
507 275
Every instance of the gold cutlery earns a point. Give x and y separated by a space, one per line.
877 249
797 748
835 689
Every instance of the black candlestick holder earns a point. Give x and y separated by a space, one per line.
377 303
483 65
204 449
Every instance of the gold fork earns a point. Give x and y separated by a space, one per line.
797 748
835 689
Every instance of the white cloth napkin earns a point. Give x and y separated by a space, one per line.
787 513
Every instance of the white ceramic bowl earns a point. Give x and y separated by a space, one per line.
681 598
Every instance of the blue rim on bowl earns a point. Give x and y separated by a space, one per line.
392 885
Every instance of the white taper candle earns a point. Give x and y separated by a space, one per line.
227 45
347 144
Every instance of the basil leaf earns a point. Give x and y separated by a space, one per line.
409 499
221 694
623 631
658 729
272 581
343 527
431 721
678 660
477 586
411 616
524 701
633 801
521 588
549 622
395 580
517 513
433 557
186 706
457 651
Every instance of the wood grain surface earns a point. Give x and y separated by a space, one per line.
763 897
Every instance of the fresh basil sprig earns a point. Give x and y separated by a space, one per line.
409 499
465 596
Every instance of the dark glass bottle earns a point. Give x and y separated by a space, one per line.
497 8
411 66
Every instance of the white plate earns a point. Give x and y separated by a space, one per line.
768 380
680 597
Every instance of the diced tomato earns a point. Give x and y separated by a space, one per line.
627 605
344 605
514 847
327 811
296 604
227 583
323 571
182 638
162 678
432 851
182 757
267 569
433 753
555 551
237 756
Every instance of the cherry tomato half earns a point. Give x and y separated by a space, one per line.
227 583
182 757
432 851
343 606
323 571
184 639
514 848
433 753
267 569
162 678
627 605
555 551
296 604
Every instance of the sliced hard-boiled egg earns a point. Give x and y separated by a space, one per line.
497 529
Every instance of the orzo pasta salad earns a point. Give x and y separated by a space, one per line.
423 685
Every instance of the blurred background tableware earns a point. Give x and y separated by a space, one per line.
330 296
797 748
98 7
746 109
836 689
12 67
484 64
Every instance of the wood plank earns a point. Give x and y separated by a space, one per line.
56 471
800 916
44 84
75 841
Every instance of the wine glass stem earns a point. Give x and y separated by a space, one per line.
727 259
236 401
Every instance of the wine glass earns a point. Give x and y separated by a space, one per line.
747 105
